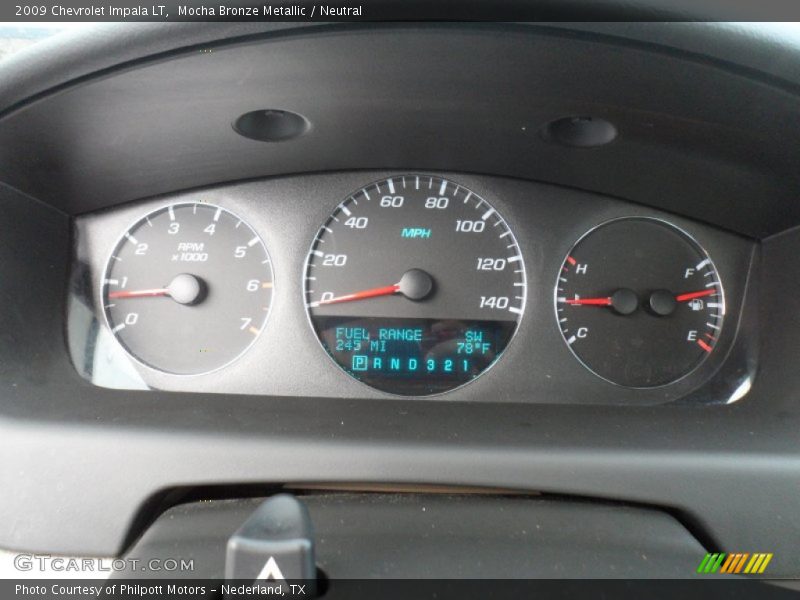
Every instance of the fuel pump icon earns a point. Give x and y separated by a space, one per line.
696 304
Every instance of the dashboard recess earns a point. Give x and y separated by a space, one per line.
415 284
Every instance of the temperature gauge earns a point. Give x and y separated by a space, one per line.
639 302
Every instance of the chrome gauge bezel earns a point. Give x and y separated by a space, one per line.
305 289
107 265
692 240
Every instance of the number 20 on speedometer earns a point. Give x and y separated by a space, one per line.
415 285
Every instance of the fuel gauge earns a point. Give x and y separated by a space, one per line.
639 302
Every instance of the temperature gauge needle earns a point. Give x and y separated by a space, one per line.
693 295
623 301
589 301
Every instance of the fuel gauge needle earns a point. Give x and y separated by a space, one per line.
693 295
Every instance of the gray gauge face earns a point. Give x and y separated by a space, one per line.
188 288
415 285
639 302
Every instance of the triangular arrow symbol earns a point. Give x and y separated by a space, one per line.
271 570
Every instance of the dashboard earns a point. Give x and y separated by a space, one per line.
368 284
547 269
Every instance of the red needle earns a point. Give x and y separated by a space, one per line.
590 301
372 293
693 295
138 293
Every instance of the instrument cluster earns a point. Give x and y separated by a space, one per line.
405 284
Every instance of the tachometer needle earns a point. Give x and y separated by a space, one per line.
589 301
183 289
693 295
138 293
362 295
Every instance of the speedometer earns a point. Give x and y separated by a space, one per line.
415 285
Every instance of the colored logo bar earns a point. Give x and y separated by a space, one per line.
735 562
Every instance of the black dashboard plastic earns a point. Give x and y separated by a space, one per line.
419 536
164 124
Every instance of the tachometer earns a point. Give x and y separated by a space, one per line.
415 285
188 288
639 302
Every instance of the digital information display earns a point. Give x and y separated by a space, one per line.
413 356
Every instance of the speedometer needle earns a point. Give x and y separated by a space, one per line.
415 284
693 295
362 295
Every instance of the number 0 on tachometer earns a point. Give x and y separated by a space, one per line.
415 285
